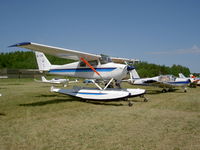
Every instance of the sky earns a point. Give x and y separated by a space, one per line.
163 32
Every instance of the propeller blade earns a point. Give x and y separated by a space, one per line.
88 64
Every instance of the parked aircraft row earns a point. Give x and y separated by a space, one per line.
97 67
166 82
64 82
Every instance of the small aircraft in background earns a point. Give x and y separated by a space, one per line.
192 78
89 66
167 82
198 83
64 82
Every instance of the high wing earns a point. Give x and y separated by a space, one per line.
56 51
123 60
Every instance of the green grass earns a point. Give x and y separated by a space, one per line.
33 118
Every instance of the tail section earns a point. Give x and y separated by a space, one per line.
134 74
42 61
181 75
43 79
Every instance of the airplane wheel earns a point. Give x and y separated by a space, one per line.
146 100
164 90
126 99
84 100
130 104
185 91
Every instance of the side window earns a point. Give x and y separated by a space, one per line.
82 64
105 59
92 63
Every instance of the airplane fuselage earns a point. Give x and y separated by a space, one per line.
57 81
107 71
168 80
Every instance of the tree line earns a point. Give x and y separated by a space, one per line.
27 60
145 69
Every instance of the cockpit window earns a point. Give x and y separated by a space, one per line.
105 59
92 63
82 64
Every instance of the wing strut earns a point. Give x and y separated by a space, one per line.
88 64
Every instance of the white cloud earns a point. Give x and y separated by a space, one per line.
193 50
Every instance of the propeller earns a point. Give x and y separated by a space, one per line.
129 69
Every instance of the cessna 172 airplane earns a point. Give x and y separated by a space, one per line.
56 81
167 82
87 66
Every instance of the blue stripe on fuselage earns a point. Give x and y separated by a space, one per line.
179 82
91 93
82 70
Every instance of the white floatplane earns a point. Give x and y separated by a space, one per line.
89 66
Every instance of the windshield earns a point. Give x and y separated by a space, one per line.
105 59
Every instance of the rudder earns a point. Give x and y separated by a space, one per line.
134 74
43 79
42 61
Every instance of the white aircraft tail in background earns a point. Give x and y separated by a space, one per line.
56 81
43 79
134 74
181 75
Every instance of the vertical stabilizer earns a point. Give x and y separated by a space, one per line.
43 79
42 61
134 74
181 75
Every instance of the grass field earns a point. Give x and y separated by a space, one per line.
33 118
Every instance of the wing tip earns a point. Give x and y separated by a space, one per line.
20 44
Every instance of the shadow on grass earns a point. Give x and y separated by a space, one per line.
50 95
2 114
105 103
138 101
1 88
42 103
71 99
151 92
57 101
14 84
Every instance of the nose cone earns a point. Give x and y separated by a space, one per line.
129 68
